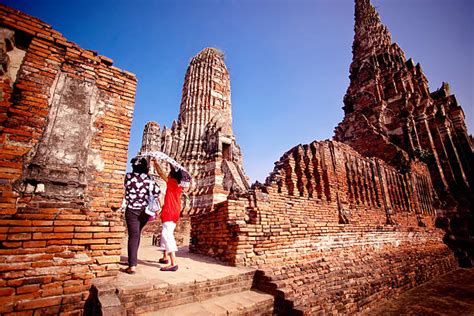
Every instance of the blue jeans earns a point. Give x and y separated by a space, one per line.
135 224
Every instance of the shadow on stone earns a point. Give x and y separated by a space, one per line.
92 306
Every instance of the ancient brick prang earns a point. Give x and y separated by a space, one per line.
325 216
65 117
389 103
202 138
390 113
205 105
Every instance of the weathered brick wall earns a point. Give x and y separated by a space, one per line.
350 278
326 213
324 184
66 114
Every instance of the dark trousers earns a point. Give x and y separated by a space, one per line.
135 224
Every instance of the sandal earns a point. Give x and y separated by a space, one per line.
163 261
128 270
169 268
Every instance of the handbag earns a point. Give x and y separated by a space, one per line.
153 206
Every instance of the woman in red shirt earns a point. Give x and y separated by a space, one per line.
170 215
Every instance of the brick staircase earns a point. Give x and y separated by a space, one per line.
201 286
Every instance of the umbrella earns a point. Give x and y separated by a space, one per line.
186 176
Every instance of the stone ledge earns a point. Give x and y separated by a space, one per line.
242 303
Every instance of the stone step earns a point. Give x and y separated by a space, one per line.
242 303
149 297
198 278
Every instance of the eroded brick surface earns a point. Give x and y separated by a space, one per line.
66 114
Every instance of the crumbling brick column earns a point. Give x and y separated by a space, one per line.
66 114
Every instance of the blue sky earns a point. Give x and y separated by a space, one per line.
288 60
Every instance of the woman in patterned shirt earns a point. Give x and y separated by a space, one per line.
138 185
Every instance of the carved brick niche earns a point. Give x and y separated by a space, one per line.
60 161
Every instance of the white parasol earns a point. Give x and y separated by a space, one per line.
186 176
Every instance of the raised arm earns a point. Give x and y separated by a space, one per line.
159 170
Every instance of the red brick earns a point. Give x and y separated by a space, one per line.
15 222
63 229
71 223
51 292
14 267
41 223
53 236
74 298
83 235
75 289
28 289
23 229
38 303
91 229
75 217
7 291
105 247
108 235
34 244
6 306
11 244
19 236
88 241
83 276
59 242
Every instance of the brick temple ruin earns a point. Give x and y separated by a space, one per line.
201 139
336 227
389 105
66 114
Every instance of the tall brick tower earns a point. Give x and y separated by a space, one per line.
202 138
390 113
389 104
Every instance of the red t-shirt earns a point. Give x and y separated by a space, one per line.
172 204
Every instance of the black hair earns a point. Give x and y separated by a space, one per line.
139 165
176 175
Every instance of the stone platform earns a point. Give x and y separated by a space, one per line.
201 285
204 286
